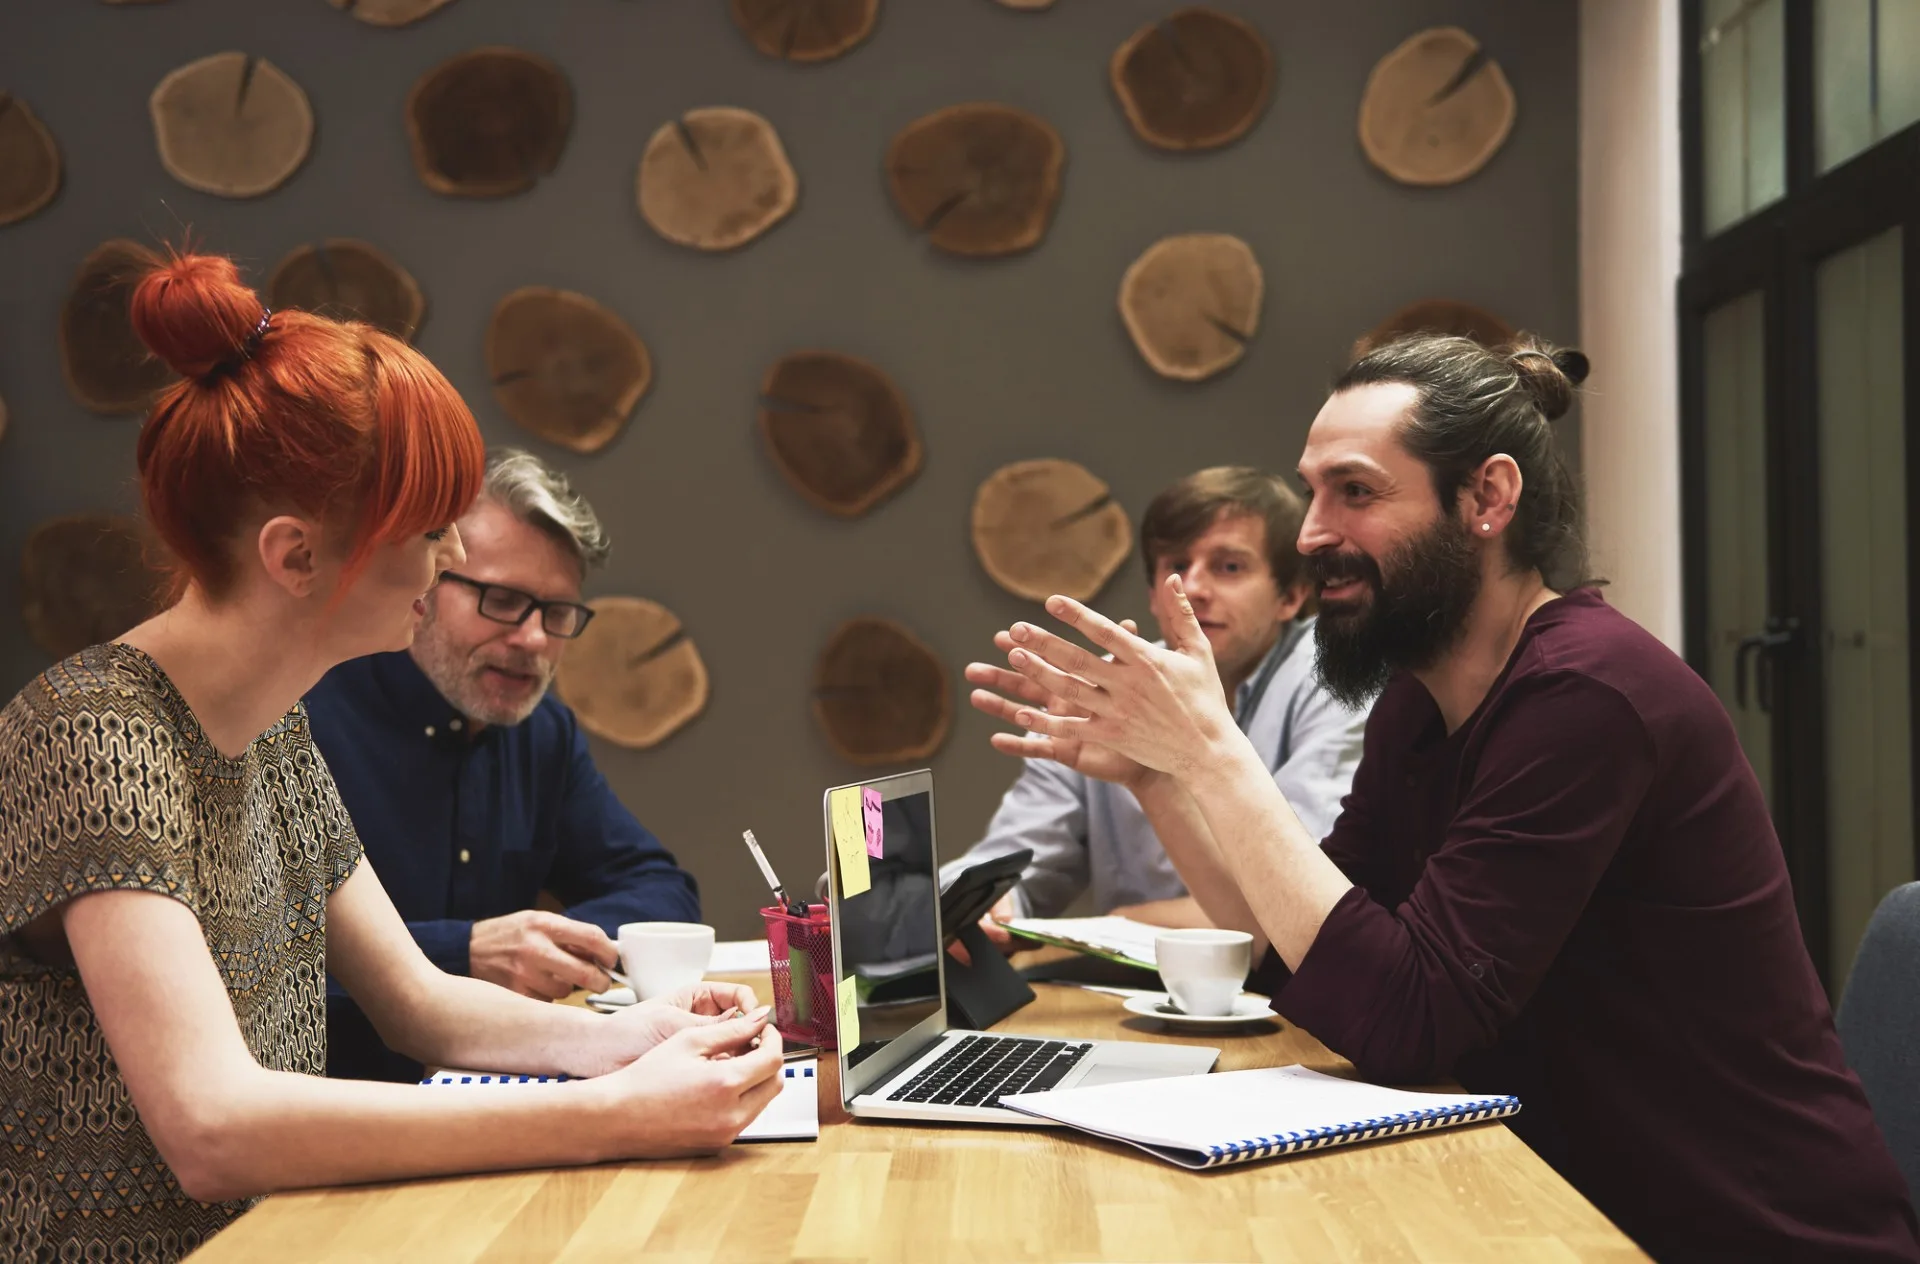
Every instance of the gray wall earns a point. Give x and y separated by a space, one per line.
1001 361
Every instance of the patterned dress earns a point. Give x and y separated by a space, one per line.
107 782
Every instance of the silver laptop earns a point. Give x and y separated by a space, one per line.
909 1064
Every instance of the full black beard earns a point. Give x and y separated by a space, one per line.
1407 624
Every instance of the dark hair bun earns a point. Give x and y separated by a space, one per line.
1548 375
195 313
1573 364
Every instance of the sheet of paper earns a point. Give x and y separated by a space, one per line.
849 840
1119 935
739 956
848 1035
870 813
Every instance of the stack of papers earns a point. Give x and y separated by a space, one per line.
1115 938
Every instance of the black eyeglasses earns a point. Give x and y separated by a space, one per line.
565 619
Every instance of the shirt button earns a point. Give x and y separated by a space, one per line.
429 730
1476 969
454 725
466 855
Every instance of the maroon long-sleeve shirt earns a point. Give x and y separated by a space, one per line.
1578 898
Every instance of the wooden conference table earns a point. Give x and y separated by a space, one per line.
875 1192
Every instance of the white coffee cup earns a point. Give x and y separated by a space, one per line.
662 957
1204 970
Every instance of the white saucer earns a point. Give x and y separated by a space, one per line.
611 999
1249 1008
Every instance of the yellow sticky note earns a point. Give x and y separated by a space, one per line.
849 840
848 1036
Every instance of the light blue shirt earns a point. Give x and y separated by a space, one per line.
1087 834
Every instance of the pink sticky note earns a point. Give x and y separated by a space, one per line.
870 809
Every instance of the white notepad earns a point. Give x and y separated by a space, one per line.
793 1115
1202 1121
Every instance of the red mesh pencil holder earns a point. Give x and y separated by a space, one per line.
801 954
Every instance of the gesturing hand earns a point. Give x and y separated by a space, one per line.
1091 759
1163 708
540 954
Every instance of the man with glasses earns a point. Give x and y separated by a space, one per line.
473 789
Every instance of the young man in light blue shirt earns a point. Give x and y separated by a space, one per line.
1229 533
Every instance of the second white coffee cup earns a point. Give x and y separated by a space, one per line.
1204 970
663 957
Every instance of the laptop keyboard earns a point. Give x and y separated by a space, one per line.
978 1070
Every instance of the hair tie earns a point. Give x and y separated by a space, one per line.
259 333
246 349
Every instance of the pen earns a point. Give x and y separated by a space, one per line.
793 907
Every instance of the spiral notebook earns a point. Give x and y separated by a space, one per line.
1203 1121
793 1115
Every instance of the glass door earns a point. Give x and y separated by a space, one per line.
1864 568
1800 369
1734 408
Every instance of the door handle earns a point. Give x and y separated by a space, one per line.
1760 648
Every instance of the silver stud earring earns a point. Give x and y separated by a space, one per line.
1486 526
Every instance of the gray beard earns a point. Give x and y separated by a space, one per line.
456 677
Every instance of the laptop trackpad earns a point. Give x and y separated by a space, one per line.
1104 1072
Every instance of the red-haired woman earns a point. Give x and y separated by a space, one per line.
177 874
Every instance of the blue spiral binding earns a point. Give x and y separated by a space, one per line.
1360 1130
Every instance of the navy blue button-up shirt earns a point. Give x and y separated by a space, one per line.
463 827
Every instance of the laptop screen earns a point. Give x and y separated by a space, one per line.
888 933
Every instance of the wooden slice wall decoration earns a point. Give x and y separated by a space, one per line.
1197 80
979 179
489 122
1437 316
1049 526
715 179
1192 303
390 12
838 429
565 367
634 677
879 694
86 579
232 124
805 30
107 367
29 161
349 280
1435 109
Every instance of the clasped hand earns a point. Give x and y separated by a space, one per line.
634 1031
703 1072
